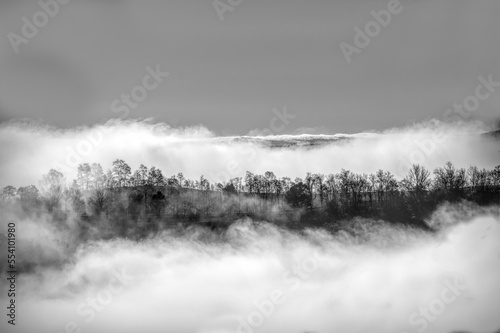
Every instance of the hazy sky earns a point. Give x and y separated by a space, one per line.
229 75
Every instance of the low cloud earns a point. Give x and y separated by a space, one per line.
31 149
374 277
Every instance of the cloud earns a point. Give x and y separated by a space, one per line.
31 149
373 278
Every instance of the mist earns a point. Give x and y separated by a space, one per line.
233 166
364 275
197 151
257 277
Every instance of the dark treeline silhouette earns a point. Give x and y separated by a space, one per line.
120 202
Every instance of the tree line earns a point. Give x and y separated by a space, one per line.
124 200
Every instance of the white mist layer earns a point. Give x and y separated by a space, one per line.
198 281
196 151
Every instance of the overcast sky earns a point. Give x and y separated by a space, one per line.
229 75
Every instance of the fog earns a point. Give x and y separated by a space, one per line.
256 277
373 276
197 151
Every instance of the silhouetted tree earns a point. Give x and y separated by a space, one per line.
73 198
229 189
298 196
417 180
450 181
121 173
158 202
97 177
28 193
140 176
97 201
155 177
9 193
52 187
83 177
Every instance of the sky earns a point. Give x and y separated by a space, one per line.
229 75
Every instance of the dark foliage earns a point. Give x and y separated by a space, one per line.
122 203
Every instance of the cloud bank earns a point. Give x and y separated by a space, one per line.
30 150
256 277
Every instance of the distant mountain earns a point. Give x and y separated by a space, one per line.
309 140
291 141
493 134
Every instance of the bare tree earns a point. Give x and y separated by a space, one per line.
97 201
9 193
121 173
52 187
83 177
417 180
450 179
97 177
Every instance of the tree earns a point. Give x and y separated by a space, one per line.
358 185
345 179
298 196
173 181
269 182
181 178
479 180
158 201
97 177
229 188
109 182
97 201
496 175
417 180
9 193
73 196
29 197
203 184
331 185
449 179
121 173
84 176
321 187
28 193
52 186
155 177
384 182
309 181
286 183
249 182
141 176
